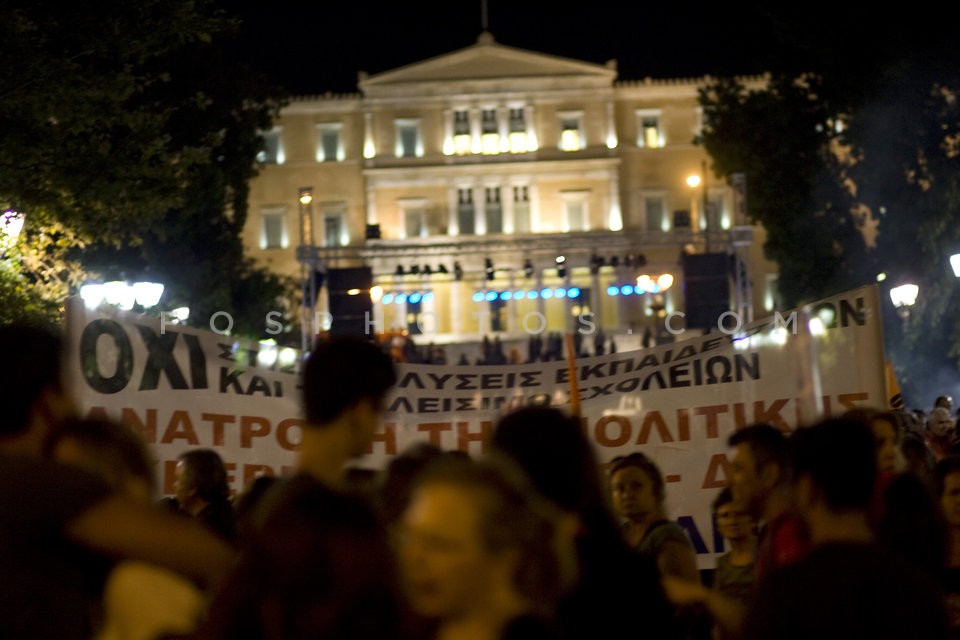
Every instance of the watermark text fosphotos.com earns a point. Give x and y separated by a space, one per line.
825 315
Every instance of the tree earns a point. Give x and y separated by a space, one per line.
856 130
135 127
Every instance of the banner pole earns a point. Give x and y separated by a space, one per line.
572 376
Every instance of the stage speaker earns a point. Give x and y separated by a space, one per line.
350 312
706 289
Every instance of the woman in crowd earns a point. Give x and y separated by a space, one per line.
735 574
478 553
639 494
614 592
202 492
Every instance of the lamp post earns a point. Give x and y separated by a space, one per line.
903 297
307 256
122 294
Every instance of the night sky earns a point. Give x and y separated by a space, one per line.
321 47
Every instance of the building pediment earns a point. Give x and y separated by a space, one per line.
487 60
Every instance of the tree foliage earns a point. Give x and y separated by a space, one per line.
135 126
856 131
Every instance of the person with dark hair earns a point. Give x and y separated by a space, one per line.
760 473
49 510
200 486
345 382
616 588
479 553
639 495
847 585
393 491
312 556
316 565
904 512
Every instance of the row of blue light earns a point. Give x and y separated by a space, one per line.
532 294
403 298
630 289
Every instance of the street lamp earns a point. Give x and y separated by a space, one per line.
122 294
955 264
903 297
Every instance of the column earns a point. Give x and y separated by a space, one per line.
611 127
476 143
506 205
456 308
534 194
616 216
503 128
453 224
532 142
480 210
369 145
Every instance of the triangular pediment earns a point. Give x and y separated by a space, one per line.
488 60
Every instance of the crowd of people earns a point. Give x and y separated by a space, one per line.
846 528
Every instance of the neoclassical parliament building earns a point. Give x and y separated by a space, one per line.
496 191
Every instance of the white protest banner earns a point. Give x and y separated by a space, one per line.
184 388
678 403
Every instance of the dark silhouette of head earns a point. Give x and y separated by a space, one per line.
837 455
205 474
36 354
340 372
767 444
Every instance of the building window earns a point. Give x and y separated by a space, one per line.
332 230
518 131
465 212
649 135
493 211
461 132
715 218
489 132
272 151
655 209
409 143
274 230
571 131
330 142
575 212
521 209
414 217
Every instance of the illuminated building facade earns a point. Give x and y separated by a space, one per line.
494 190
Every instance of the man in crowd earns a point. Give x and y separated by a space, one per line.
345 382
760 482
846 586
